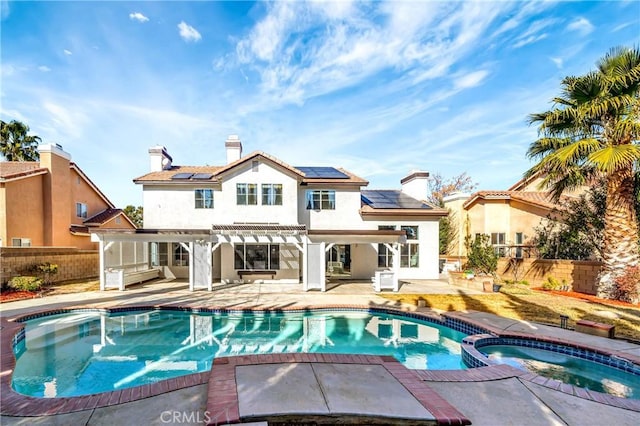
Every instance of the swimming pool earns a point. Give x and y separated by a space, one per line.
86 352
567 369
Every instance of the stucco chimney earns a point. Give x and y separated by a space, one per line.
159 159
234 148
56 209
416 184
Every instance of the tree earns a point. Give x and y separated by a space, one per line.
135 214
440 188
16 144
592 131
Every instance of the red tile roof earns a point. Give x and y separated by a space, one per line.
540 199
16 169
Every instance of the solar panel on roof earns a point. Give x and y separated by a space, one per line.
202 176
181 176
322 173
387 199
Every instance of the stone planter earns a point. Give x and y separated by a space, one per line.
474 282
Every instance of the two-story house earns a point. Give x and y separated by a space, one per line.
52 202
259 218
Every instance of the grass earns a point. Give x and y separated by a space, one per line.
520 302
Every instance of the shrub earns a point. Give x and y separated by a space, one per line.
553 284
45 271
481 257
25 283
627 285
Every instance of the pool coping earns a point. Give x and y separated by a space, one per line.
13 403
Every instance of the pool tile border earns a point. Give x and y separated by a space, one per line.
15 404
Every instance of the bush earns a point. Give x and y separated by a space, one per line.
481 257
553 284
627 285
45 271
25 283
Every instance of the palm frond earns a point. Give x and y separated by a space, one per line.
615 157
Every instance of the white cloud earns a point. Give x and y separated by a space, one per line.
529 40
581 25
470 80
558 61
44 68
188 33
67 52
621 26
344 46
138 17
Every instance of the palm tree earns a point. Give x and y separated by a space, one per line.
15 144
593 132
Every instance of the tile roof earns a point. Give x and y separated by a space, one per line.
218 171
540 199
15 169
166 175
102 217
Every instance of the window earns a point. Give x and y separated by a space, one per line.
385 256
254 166
321 199
204 198
271 194
159 255
118 220
180 255
498 242
257 256
81 210
21 242
411 231
409 257
247 194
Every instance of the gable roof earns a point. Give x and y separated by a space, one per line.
217 172
105 216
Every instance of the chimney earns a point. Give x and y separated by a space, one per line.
56 209
234 148
159 158
416 184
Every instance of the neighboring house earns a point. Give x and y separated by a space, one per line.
258 218
52 203
508 217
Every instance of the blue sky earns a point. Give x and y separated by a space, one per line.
379 88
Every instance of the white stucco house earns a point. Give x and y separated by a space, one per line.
259 218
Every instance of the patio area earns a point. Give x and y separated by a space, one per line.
485 396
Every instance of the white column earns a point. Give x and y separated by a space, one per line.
101 250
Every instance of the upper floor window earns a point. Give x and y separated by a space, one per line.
411 231
271 194
81 210
519 242
255 166
247 194
204 198
321 199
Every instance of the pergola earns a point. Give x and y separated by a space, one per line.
133 253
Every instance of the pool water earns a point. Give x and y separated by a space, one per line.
568 369
82 353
